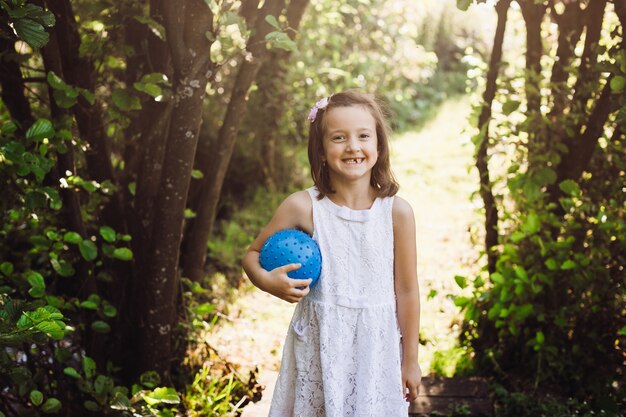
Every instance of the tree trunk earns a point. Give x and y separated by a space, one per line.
271 97
12 84
196 242
491 211
570 29
533 16
156 294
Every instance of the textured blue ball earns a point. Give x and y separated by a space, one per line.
292 246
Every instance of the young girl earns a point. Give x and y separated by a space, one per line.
351 348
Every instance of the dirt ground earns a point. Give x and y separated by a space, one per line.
435 169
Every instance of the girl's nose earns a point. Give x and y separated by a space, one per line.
353 144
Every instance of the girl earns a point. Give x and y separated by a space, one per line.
351 348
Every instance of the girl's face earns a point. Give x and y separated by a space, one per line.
350 143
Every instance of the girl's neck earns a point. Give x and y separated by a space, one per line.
354 196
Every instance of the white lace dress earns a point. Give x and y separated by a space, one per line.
342 352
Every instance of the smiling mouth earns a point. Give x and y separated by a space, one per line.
354 160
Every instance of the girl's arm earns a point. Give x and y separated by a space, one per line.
295 212
407 293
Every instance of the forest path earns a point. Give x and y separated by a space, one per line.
432 167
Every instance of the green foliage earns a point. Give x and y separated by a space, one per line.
514 404
28 20
214 396
548 318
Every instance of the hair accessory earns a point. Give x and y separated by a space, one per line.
321 104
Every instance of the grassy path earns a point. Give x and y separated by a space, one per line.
432 168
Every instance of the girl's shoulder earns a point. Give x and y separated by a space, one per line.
402 212
299 201
297 211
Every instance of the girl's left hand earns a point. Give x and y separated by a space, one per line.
411 377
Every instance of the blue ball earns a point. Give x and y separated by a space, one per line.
292 246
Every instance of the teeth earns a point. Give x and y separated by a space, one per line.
354 161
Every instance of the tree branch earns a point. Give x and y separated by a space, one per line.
491 211
195 253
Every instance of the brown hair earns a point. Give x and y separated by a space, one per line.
382 178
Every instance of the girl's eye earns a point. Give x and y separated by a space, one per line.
365 136
337 138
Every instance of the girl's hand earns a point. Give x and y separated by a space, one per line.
288 289
411 377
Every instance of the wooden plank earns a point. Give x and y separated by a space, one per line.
445 405
443 395
454 387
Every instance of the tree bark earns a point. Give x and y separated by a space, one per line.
491 211
196 250
533 16
186 23
271 97
570 29
580 149
588 76
12 85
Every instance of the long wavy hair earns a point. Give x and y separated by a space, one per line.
382 178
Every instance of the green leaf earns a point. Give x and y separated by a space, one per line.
155 27
510 106
39 130
88 95
120 402
103 384
551 264
463 4
57 82
281 40
100 326
162 395
36 397
107 233
197 174
622 331
89 367
520 272
570 187
35 280
532 191
460 281
273 22
546 175
125 101
132 188
52 405
497 278
62 267
618 83
91 405
155 78
461 301
540 337
31 32
148 88
69 371
532 224
88 250
89 305
205 308
51 328
123 254
109 311
72 237
6 268
569 264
